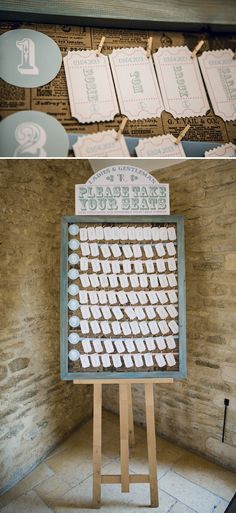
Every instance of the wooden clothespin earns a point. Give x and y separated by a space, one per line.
182 134
121 128
149 47
197 48
99 48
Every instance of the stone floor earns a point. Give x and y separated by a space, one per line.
63 483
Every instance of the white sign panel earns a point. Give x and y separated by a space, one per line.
122 190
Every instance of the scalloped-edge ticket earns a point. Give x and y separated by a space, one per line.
180 82
136 83
219 73
101 144
160 146
90 86
223 151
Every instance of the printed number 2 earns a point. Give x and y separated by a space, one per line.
27 65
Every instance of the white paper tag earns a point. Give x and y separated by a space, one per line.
131 233
130 312
139 233
122 297
162 297
171 264
140 313
160 343
160 265
153 327
148 360
83 297
128 361
153 280
91 233
107 233
160 249
172 311
94 280
103 280
116 250
170 359
125 328
138 267
116 360
163 280
133 298
105 328
137 251
83 264
105 360
142 296
172 280
109 346
94 249
144 327
97 346
116 327
96 266
85 249
84 326
117 312
95 360
161 312
135 327
85 362
170 342
139 343
160 360
180 82
102 297
93 297
90 86
84 280
163 327
136 83
127 251
149 266
113 281
134 280
150 344
172 296
106 266
115 233
151 314
101 144
171 233
86 345
147 233
124 281
148 250
152 297
83 234
112 297
123 233
99 233
130 345
127 266
223 151
160 146
219 72
96 312
105 250
155 233
171 250
174 327
106 312
115 266
95 327
85 312
138 361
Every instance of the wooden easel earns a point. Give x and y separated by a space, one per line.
126 437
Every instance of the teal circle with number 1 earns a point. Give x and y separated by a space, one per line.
28 58
32 134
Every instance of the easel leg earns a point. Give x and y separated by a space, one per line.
124 438
151 443
131 418
97 444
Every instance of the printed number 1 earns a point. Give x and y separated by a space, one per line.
27 65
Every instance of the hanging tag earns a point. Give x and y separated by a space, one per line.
219 73
159 146
180 82
136 84
101 144
90 87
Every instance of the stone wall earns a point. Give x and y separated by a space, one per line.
191 412
37 408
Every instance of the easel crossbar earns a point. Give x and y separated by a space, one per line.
116 478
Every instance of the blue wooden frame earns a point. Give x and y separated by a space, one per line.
65 374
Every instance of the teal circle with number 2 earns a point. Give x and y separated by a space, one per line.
32 134
28 58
